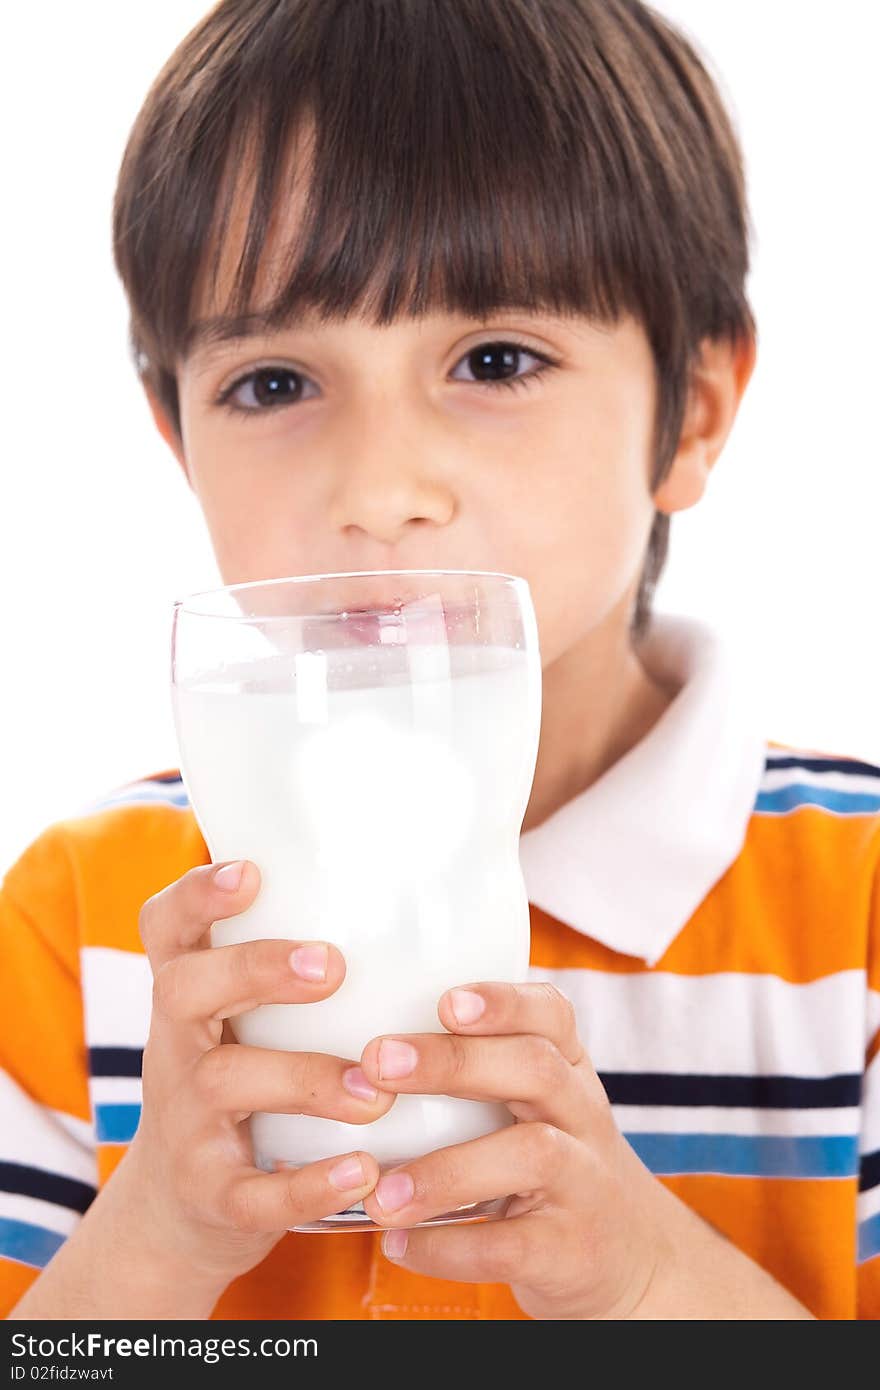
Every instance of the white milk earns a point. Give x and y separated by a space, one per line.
385 820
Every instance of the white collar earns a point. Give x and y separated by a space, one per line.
630 859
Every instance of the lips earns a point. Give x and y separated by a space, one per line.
423 623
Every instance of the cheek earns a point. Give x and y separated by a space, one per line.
255 531
587 520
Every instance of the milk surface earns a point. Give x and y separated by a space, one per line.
384 819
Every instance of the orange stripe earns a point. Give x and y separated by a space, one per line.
802 1231
42 1045
127 854
869 1289
15 1280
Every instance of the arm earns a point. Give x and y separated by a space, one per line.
701 1275
107 1268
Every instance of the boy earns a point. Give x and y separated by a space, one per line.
343 228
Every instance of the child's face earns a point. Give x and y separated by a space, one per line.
386 449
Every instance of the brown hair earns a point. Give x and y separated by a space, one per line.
566 155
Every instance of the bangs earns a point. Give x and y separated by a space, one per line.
392 158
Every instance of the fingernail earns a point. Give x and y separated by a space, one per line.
357 1084
229 877
466 1005
394 1191
396 1059
394 1244
309 962
347 1175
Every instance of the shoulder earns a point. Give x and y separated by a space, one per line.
147 822
117 852
812 853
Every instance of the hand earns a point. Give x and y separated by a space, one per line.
581 1234
199 1201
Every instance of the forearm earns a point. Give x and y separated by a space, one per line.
107 1269
701 1275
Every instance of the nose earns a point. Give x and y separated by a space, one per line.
386 482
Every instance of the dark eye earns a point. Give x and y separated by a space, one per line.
500 364
269 386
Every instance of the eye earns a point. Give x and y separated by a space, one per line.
269 388
264 389
499 364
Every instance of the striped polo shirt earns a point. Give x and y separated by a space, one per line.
711 906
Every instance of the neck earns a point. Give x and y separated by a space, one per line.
598 701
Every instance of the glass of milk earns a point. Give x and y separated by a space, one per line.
369 741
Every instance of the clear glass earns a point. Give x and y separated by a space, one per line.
369 741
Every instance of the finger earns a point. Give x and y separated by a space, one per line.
236 1079
180 916
505 1251
258 1201
533 1158
537 1007
528 1073
228 980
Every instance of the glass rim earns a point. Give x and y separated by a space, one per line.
181 604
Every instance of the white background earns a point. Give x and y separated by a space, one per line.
99 532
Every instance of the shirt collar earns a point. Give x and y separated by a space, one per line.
630 859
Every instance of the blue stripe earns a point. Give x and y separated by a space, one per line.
116 1124
834 1156
31 1245
786 799
157 798
869 1238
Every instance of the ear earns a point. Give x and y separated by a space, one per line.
717 385
166 428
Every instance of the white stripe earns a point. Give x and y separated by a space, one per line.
30 1134
873 1015
868 1204
710 1119
171 793
39 1213
738 1024
811 754
829 781
116 1090
871 1107
81 1131
117 991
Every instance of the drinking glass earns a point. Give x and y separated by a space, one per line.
369 740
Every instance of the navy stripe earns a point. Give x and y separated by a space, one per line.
167 777
48 1187
832 1156
752 1092
635 1088
824 765
116 1061
869 1171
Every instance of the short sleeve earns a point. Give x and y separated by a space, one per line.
869 1145
48 1166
